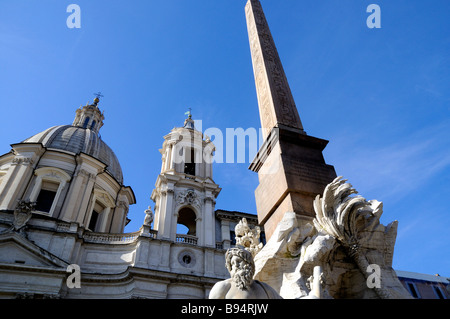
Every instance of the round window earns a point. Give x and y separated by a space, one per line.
187 259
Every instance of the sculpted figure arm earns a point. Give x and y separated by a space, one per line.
271 293
220 290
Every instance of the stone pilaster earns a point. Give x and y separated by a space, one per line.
79 194
19 174
209 224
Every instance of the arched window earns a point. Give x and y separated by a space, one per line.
93 125
187 218
46 196
49 183
99 213
86 122
94 224
189 161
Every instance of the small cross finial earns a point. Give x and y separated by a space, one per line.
98 95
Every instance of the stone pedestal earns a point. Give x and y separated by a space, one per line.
292 172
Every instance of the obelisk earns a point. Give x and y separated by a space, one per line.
290 165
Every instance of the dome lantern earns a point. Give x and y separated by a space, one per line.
89 116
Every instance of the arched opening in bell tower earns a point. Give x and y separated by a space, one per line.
187 218
189 161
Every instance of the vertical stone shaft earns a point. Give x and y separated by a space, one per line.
290 165
275 100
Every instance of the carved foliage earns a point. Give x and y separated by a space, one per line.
188 197
22 215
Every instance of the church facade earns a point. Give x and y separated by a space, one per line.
63 209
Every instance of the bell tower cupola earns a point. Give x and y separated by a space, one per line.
185 192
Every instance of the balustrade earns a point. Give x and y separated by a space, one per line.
187 239
114 238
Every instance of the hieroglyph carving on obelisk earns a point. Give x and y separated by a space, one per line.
275 100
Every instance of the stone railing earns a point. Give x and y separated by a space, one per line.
187 239
66 227
111 238
63 227
126 238
104 238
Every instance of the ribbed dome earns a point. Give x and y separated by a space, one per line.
76 140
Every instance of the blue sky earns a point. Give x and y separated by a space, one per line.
380 96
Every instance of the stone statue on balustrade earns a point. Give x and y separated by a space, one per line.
148 216
241 285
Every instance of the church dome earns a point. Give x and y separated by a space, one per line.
82 137
79 140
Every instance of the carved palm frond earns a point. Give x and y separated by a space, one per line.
337 211
338 214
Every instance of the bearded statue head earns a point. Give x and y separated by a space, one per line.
241 267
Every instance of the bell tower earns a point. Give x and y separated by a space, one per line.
185 192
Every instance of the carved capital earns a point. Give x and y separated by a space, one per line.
167 191
22 161
122 204
85 173
209 199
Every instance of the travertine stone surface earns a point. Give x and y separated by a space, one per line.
291 171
